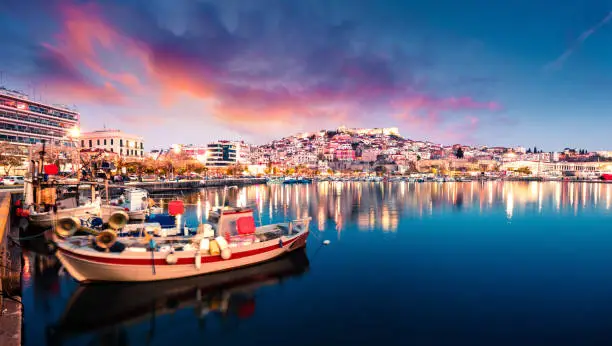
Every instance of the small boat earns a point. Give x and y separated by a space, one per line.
64 208
134 202
125 304
235 242
303 180
289 180
273 181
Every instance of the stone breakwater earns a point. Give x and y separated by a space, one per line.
11 308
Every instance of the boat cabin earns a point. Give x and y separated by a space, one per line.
232 221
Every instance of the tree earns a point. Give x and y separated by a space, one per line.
529 151
9 162
459 153
524 170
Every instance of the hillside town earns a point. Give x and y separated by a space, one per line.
28 125
377 151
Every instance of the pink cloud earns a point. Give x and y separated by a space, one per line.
349 88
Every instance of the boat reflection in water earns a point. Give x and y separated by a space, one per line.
105 310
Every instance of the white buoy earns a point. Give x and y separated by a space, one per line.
171 259
226 253
326 242
198 261
205 245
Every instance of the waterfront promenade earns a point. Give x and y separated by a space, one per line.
11 308
169 186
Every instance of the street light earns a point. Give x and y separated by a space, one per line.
74 132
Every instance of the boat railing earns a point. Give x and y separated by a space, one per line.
293 225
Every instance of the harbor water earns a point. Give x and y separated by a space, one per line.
473 263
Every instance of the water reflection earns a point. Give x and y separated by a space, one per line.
108 311
474 257
381 206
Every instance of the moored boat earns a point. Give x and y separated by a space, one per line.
46 219
237 242
134 202
124 304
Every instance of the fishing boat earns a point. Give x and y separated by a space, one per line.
126 304
234 242
45 214
275 180
133 201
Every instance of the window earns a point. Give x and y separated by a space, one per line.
104 141
112 150
141 145
90 143
98 142
112 142
82 142
121 142
120 151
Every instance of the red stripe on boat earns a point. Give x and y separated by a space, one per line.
187 260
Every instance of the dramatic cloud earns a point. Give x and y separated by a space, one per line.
288 65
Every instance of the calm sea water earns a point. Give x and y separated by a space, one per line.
409 264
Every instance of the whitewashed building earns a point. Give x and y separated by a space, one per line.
126 145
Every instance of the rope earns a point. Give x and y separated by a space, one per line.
26 238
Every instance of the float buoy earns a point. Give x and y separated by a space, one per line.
204 245
214 248
171 259
226 253
198 260
222 243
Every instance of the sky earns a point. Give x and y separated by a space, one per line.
513 73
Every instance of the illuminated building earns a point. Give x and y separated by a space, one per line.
24 121
126 145
226 153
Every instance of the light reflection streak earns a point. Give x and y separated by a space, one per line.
380 206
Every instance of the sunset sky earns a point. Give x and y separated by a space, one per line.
182 71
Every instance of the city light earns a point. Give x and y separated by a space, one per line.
74 132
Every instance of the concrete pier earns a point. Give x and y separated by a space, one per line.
11 308
169 186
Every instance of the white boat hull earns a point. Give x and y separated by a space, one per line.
88 266
47 219
134 215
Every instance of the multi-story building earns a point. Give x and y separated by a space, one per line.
25 121
345 154
226 153
126 145
197 152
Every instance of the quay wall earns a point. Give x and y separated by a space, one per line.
11 308
169 186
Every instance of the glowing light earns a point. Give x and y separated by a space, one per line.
199 210
510 204
74 132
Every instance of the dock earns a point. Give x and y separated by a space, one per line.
185 185
11 308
